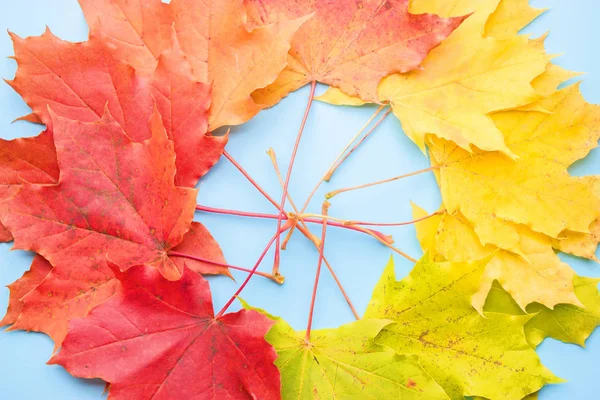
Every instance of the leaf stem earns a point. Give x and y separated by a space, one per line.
284 227
235 212
339 157
343 224
366 185
318 274
313 85
353 149
279 280
414 221
251 180
308 234
316 243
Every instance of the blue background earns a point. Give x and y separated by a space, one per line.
358 260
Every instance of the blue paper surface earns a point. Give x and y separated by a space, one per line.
357 259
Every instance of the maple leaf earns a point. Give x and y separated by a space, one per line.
531 272
28 282
139 31
345 362
199 242
64 293
115 198
456 346
510 17
235 58
184 104
535 190
159 339
215 39
31 160
343 45
566 322
472 86
77 80
46 299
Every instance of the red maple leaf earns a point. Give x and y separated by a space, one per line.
25 160
78 80
115 198
46 299
184 105
157 339
31 279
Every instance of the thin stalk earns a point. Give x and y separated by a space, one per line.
250 179
313 85
339 157
414 221
343 224
253 271
207 261
235 212
353 149
303 217
308 234
318 274
366 185
316 243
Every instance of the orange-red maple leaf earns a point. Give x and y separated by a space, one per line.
213 35
30 280
184 105
351 45
25 160
77 80
115 198
47 299
160 340
139 30
198 242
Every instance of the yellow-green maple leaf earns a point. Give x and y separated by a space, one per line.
346 363
466 353
535 274
567 323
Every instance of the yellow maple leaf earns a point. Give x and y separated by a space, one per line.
582 244
535 190
510 17
452 99
535 275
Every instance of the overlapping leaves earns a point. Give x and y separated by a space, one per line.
104 197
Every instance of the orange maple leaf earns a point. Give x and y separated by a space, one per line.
351 45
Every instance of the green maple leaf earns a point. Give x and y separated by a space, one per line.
466 353
566 322
346 363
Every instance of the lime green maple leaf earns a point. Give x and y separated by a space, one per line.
566 322
346 363
466 353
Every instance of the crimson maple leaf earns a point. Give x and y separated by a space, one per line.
157 339
115 198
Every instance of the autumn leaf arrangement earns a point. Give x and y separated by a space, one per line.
105 196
